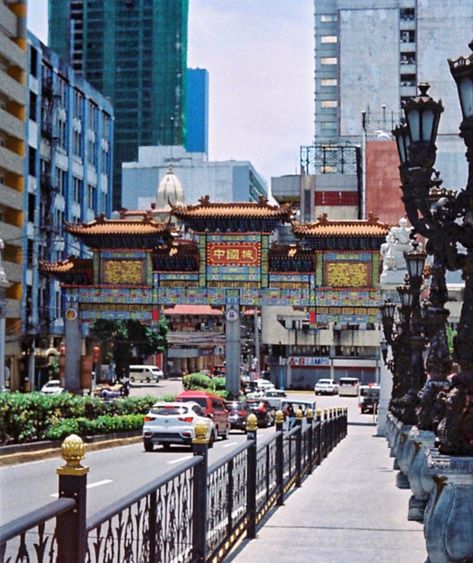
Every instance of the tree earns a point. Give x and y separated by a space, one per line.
130 340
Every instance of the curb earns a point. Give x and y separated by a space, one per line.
26 454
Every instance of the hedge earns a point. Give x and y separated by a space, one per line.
202 382
29 417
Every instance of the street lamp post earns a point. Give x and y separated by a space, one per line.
445 218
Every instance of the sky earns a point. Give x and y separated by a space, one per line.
260 59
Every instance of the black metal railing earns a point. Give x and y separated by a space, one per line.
195 513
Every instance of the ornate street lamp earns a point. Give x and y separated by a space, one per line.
387 317
462 73
445 219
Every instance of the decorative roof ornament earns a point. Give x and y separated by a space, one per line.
169 193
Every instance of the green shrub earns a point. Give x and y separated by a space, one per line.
101 425
197 381
29 417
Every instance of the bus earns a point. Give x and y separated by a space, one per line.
348 387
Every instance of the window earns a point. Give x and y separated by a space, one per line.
90 196
77 143
408 79
408 58
77 104
61 181
329 104
33 61
61 126
328 39
407 14
407 36
31 161
329 60
91 152
31 207
33 98
92 116
77 189
328 18
328 81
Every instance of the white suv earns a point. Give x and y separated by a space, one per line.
326 387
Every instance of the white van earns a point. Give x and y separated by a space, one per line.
348 387
145 373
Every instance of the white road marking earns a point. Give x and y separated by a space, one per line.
179 459
91 486
230 444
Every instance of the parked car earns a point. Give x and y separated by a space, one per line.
174 423
348 387
145 373
265 413
326 387
52 387
213 406
237 414
369 398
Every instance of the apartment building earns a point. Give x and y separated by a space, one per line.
12 150
68 167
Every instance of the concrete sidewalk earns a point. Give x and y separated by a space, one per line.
349 510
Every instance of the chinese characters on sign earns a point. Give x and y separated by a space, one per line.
233 254
123 271
347 274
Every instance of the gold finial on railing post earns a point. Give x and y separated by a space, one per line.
279 418
251 423
71 532
73 452
201 433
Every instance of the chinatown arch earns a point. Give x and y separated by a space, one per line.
222 255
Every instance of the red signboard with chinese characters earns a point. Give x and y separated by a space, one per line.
233 254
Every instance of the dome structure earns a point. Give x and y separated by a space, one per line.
169 193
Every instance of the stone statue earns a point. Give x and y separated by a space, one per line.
397 242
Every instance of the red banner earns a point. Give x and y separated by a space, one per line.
233 254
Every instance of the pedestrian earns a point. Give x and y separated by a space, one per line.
290 416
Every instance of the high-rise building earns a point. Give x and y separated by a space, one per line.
197 110
12 150
68 167
228 180
369 57
135 53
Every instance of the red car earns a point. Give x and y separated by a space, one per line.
214 407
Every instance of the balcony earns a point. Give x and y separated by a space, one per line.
13 309
11 161
11 88
13 271
11 198
10 50
12 125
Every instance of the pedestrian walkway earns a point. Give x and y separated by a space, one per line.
348 511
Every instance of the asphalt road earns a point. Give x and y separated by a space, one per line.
117 471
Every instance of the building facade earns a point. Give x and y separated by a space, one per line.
228 180
68 168
12 150
197 110
135 53
369 57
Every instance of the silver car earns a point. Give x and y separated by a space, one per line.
174 423
326 387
